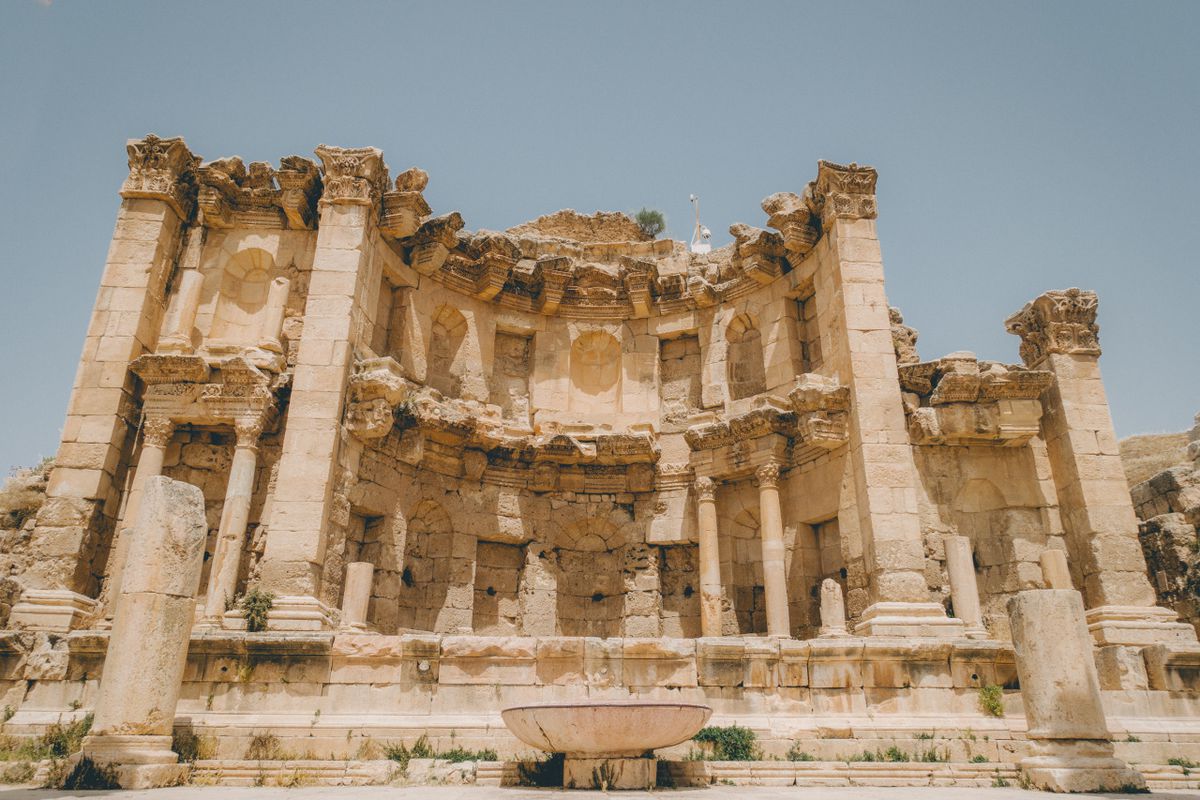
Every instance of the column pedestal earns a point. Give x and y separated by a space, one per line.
53 610
609 773
921 620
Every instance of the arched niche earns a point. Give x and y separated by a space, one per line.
590 594
428 568
744 364
242 297
446 362
595 373
742 553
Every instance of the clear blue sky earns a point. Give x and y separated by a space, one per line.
1021 146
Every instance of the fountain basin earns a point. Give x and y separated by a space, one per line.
607 744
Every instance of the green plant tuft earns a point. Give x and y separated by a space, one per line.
794 753
991 699
730 743
979 759
256 606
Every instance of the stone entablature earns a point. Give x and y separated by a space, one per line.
232 195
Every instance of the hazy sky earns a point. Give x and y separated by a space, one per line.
1020 146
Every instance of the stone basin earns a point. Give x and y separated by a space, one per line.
605 729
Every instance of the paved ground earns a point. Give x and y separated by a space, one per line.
488 793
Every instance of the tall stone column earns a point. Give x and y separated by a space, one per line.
1058 332
156 435
1070 745
181 318
235 515
85 485
272 321
880 487
710 557
147 651
770 525
343 271
964 588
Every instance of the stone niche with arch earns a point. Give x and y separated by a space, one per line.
595 372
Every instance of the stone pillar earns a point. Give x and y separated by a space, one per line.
181 318
1058 332
156 435
272 322
1055 573
879 495
85 485
147 651
774 569
964 589
1070 745
235 516
710 557
356 597
344 270
833 609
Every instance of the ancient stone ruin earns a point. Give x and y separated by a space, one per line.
444 472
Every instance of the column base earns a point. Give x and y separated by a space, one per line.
136 762
299 613
1075 765
1137 626
921 620
57 610
609 773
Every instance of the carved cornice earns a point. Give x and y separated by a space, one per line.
757 253
904 338
405 208
844 192
180 388
231 194
299 188
353 175
821 404
1060 321
431 244
162 169
793 216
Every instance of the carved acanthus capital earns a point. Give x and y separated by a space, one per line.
248 430
353 175
844 192
1060 321
793 217
767 476
156 431
904 338
162 169
299 187
706 490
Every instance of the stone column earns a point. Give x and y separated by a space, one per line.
964 588
774 569
272 322
182 316
1055 573
1058 332
1070 746
710 557
235 515
356 597
156 435
344 271
879 499
147 651
833 609
85 485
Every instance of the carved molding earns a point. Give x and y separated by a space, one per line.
1060 321
405 208
162 169
795 219
157 431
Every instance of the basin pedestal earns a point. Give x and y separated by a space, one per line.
586 771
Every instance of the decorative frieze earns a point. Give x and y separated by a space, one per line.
1062 321
162 169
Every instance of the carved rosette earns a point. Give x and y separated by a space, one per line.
706 490
844 192
767 476
1061 322
162 169
353 175
156 431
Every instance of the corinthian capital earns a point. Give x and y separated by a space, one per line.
768 475
706 489
353 175
844 192
156 431
162 169
1061 321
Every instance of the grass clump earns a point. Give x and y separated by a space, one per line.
727 743
458 755
1186 764
991 699
256 607
266 747
794 753
191 746
979 759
